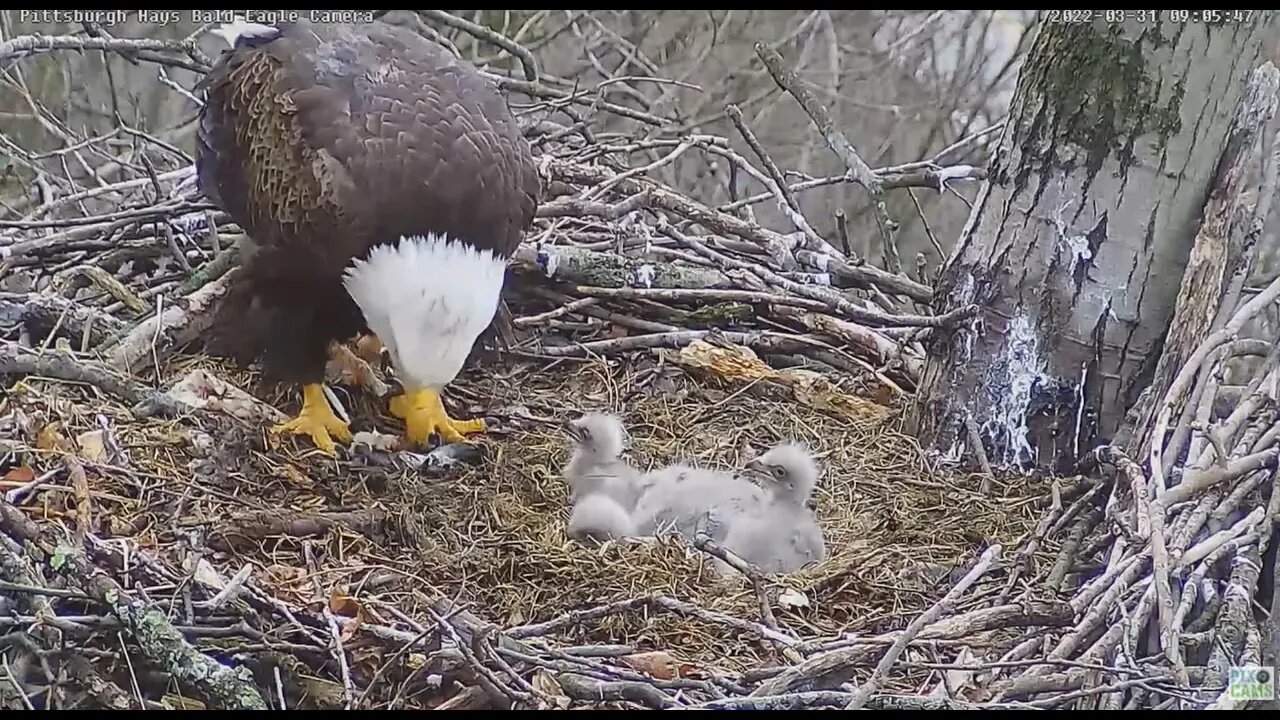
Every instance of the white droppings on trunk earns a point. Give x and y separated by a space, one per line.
643 276
1075 243
1009 385
1075 437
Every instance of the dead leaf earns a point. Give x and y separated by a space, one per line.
93 446
657 664
368 658
283 575
545 683
50 437
20 474
741 365
83 499
297 478
340 603
369 348
790 599
201 389
208 576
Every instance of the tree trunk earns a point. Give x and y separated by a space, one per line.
1077 242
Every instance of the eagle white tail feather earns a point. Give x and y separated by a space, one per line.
233 31
428 299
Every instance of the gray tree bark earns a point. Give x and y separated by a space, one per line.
1077 243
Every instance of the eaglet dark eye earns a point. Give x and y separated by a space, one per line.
779 472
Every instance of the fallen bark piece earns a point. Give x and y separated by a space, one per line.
739 364
179 322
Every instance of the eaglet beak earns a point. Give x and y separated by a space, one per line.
573 430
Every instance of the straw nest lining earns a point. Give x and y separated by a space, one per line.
492 537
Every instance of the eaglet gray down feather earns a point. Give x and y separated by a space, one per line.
603 487
783 535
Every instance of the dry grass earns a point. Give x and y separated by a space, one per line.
493 536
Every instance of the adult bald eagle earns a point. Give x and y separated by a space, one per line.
384 184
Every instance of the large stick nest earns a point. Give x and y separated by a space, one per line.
160 550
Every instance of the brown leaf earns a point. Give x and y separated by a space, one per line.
50 437
340 603
657 664
297 478
369 348
367 658
20 474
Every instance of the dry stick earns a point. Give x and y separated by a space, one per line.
980 452
1182 382
521 53
832 698
840 145
62 365
753 574
1137 484
585 688
1022 560
1164 595
777 183
25 46
839 304
891 656
161 335
161 643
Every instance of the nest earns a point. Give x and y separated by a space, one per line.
378 544
160 551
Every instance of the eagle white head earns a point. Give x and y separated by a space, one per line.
233 31
427 298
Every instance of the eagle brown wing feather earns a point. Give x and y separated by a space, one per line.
329 139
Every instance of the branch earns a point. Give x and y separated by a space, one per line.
840 145
160 643
62 365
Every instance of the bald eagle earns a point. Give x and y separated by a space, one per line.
384 184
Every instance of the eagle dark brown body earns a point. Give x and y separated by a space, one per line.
328 140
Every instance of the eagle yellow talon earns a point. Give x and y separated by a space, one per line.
317 420
423 414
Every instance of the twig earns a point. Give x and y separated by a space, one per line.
891 656
61 365
840 145
158 640
581 687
